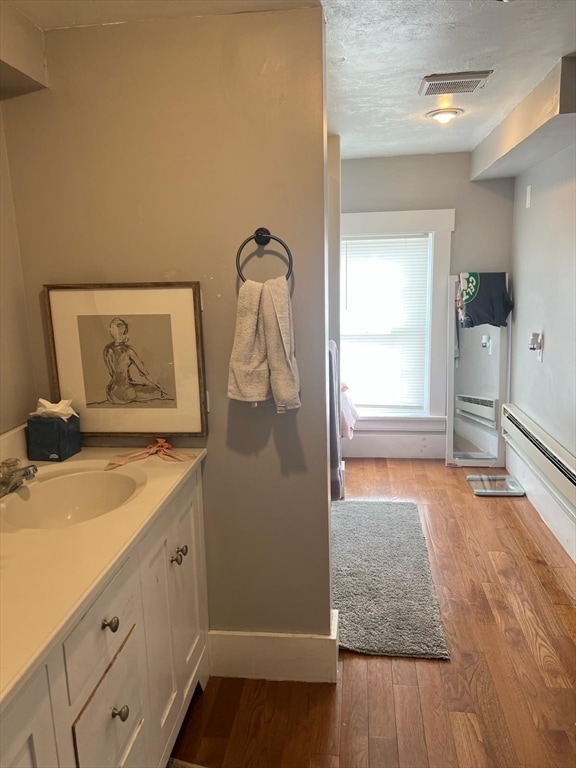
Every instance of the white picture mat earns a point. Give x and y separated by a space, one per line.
67 304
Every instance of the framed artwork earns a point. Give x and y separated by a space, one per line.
130 356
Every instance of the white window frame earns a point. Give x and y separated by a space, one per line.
440 223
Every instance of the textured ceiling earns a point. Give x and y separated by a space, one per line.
378 51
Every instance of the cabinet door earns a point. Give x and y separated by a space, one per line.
26 728
158 619
172 556
186 629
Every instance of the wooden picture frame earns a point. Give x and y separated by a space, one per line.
130 356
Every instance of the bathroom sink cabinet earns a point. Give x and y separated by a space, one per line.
112 692
99 669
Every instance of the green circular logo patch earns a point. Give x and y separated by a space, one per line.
470 284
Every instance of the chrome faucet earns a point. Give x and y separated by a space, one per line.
12 475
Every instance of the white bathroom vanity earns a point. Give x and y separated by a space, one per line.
103 620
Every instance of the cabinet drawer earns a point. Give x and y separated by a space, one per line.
103 740
136 754
91 646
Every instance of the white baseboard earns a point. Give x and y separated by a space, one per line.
13 444
270 656
395 445
558 518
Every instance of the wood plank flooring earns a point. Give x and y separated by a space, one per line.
506 699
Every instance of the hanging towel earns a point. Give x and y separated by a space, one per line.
349 414
248 376
276 312
483 298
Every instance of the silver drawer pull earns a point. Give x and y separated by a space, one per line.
112 625
121 713
183 549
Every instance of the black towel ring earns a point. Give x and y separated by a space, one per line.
262 236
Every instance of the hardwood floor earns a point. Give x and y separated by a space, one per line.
506 699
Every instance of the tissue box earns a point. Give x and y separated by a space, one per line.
52 439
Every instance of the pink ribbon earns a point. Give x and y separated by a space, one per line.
161 448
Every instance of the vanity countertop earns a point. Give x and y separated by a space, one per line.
46 575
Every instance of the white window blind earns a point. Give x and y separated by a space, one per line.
385 322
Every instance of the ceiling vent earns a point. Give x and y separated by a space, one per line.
453 82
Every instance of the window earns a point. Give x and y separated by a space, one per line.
385 321
393 313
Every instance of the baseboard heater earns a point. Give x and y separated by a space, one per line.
481 409
555 466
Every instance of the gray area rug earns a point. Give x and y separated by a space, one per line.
381 581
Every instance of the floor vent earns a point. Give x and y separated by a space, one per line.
454 82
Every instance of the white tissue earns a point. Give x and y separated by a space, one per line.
62 410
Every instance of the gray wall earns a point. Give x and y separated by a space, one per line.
482 239
544 271
17 387
495 231
333 208
159 148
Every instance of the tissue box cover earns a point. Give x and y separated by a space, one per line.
52 439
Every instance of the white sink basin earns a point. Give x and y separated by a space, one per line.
56 499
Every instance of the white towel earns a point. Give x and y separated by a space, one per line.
263 365
348 414
248 377
276 311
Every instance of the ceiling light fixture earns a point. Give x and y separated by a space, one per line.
445 115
